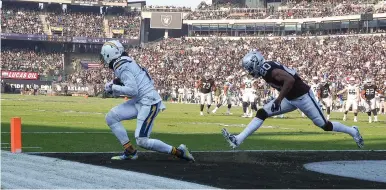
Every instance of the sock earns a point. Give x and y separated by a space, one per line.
174 151
208 107
252 127
129 148
218 106
120 132
201 107
159 146
328 110
338 127
244 109
355 114
345 113
369 114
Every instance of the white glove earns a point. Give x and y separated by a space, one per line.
109 87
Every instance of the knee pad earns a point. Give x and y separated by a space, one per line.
262 114
144 142
328 126
112 118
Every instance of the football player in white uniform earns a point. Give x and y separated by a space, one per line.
135 82
227 96
315 90
368 95
294 94
248 97
352 98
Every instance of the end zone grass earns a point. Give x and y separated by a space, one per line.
76 124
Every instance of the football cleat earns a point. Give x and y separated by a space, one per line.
358 138
201 113
125 156
230 138
185 153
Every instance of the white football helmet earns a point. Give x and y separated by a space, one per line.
111 50
252 61
315 79
351 80
369 81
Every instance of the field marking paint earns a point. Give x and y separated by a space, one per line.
24 171
32 147
225 151
372 170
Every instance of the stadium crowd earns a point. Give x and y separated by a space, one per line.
130 24
44 63
21 22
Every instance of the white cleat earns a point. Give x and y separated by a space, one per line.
231 139
244 115
214 111
228 113
355 120
370 120
358 138
202 114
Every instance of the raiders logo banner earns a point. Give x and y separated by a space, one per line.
167 20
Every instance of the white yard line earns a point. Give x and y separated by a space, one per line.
25 171
31 147
225 151
372 170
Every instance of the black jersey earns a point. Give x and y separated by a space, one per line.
370 91
298 89
325 90
206 85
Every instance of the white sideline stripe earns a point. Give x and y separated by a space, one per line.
225 151
59 132
23 171
372 170
4 143
36 147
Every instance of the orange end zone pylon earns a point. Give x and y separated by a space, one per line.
16 135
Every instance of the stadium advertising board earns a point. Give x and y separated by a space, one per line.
19 75
28 83
85 3
68 39
166 20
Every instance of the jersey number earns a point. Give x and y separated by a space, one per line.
352 92
206 85
248 85
265 67
369 91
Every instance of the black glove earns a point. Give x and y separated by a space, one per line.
275 106
118 81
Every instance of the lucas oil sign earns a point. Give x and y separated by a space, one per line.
19 75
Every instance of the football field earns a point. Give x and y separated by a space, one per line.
284 153
77 124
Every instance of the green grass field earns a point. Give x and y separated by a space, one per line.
180 123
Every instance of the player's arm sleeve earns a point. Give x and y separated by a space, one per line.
130 86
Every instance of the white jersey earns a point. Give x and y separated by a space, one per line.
314 88
248 86
180 91
230 90
137 82
352 92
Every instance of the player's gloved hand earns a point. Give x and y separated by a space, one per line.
276 106
109 87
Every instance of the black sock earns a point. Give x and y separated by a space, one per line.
202 107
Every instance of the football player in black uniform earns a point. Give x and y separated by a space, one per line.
368 94
294 94
324 96
206 86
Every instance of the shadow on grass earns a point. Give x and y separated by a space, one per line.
102 140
